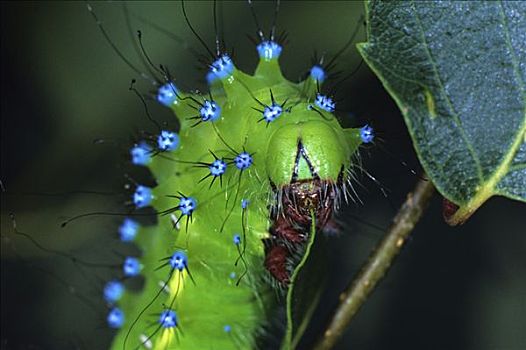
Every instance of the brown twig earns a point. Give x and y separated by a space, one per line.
379 262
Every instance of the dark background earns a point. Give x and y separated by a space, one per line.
63 87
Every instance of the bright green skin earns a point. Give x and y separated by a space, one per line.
214 301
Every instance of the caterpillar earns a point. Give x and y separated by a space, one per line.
258 166
253 163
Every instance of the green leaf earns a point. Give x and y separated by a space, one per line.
457 71
306 286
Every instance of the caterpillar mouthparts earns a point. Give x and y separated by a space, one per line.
292 217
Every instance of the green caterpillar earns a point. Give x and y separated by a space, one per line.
258 166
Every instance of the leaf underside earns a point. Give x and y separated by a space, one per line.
457 71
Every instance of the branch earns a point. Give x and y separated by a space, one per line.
379 262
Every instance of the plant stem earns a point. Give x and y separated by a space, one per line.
379 262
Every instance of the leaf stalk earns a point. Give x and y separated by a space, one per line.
378 263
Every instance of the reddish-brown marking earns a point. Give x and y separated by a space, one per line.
275 263
283 229
292 225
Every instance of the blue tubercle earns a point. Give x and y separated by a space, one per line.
218 167
187 205
211 77
243 160
237 239
244 203
178 261
227 328
142 197
209 111
269 50
367 134
324 102
168 319
141 153
222 67
317 73
113 291
167 140
232 275
128 230
115 318
272 112
131 267
167 94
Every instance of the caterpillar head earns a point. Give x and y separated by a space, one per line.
306 161
311 150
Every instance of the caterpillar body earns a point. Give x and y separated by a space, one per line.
250 199
258 164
